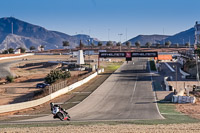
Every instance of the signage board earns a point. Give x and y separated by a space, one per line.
127 54
112 54
144 54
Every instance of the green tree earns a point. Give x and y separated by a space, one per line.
56 75
128 44
100 44
177 45
187 44
5 52
137 44
10 79
65 44
158 45
148 44
32 48
11 51
23 50
167 44
109 43
118 44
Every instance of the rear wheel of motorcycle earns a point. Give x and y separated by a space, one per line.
60 116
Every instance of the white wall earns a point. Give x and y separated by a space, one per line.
29 104
12 57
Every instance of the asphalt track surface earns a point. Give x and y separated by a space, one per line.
5 70
5 66
126 95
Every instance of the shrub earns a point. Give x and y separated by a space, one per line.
55 75
10 79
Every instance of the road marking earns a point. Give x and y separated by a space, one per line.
134 89
82 92
27 115
173 114
72 102
154 92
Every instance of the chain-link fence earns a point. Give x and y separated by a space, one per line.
55 87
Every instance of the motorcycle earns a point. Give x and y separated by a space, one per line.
59 112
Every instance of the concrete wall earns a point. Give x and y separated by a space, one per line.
29 104
12 57
183 84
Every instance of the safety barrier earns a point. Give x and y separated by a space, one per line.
183 73
166 83
29 104
183 99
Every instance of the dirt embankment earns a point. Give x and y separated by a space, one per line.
121 128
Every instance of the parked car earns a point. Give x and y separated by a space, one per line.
41 85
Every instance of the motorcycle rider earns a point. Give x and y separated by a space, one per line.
53 105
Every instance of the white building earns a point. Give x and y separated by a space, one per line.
197 32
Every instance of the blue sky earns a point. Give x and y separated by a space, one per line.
106 19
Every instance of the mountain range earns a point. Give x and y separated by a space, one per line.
180 38
25 35
16 33
143 39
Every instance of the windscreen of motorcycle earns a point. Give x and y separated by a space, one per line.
55 110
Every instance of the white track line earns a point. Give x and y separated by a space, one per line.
134 89
155 94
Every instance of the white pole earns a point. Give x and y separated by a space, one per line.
197 69
12 27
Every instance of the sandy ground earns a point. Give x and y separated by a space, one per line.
23 88
192 110
122 128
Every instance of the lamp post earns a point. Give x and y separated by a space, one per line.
176 75
120 40
197 69
89 52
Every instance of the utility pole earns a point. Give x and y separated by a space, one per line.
163 36
126 34
120 36
175 66
120 40
89 52
197 68
12 28
176 76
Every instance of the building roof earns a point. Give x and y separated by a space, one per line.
163 57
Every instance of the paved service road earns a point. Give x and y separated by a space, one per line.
126 94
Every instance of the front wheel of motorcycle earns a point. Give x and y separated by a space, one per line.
60 116
68 118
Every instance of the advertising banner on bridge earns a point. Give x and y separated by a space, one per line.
144 54
127 54
112 54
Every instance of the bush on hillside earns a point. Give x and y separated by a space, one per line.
55 75
10 79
